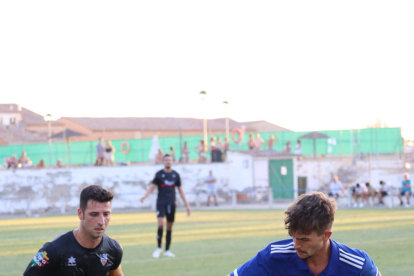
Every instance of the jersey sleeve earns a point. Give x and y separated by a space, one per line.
44 263
369 269
118 257
156 181
258 265
178 182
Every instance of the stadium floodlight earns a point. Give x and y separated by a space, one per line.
407 166
203 95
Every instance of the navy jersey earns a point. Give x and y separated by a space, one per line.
166 183
279 258
64 256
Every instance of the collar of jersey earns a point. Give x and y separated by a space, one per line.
332 268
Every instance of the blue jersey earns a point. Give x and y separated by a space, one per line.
279 258
406 186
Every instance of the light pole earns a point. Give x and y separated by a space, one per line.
48 119
203 96
226 106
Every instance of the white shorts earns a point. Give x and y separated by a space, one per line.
211 189
108 156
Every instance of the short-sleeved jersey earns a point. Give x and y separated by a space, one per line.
406 186
64 256
166 183
279 258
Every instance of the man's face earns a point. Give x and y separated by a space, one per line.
307 246
335 178
168 162
95 219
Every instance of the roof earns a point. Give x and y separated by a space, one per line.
9 108
16 135
168 123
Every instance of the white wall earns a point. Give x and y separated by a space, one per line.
5 118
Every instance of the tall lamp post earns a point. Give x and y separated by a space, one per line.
226 106
203 96
48 119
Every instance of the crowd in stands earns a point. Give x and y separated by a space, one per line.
24 162
367 195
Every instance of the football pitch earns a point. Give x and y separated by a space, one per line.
215 242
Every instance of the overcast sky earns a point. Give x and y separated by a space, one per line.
304 65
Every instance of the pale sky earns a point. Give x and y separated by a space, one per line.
303 65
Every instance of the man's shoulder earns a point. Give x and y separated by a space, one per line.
112 243
282 249
61 240
352 258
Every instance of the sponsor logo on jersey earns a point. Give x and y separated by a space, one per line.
71 261
104 259
168 183
40 260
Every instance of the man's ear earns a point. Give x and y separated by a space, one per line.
80 214
327 235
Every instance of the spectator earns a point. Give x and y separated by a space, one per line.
211 188
383 192
251 143
24 161
216 150
258 142
99 153
41 164
358 192
59 164
335 188
185 152
287 148
405 190
109 154
298 149
172 149
226 148
271 142
202 152
370 192
159 157
11 162
219 144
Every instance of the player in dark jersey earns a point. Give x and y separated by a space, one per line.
166 180
85 251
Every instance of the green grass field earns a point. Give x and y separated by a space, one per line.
215 242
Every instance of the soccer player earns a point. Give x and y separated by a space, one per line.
166 180
311 251
86 250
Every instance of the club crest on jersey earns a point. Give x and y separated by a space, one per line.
173 175
104 259
71 261
163 175
40 260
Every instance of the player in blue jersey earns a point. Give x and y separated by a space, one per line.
309 222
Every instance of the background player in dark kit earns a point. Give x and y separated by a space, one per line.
85 251
166 180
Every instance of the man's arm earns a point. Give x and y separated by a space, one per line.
149 191
116 272
181 191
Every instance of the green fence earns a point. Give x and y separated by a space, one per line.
361 141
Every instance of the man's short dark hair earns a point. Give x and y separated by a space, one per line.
95 193
167 155
310 213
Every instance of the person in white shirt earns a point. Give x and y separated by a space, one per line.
358 192
211 188
336 188
383 192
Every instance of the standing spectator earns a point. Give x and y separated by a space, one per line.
271 142
383 192
298 149
219 144
11 162
172 149
251 142
370 192
213 152
185 152
211 188
226 148
358 192
159 157
287 148
109 154
59 164
202 152
405 190
258 142
41 164
335 188
99 153
24 161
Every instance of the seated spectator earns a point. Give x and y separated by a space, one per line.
287 148
358 192
258 142
370 192
59 164
335 188
11 162
383 192
41 164
405 190
172 153
298 149
24 161
271 142
159 157
251 143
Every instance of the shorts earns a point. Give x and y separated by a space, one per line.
332 195
403 192
211 190
384 193
167 210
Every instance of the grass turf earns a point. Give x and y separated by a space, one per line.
215 242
